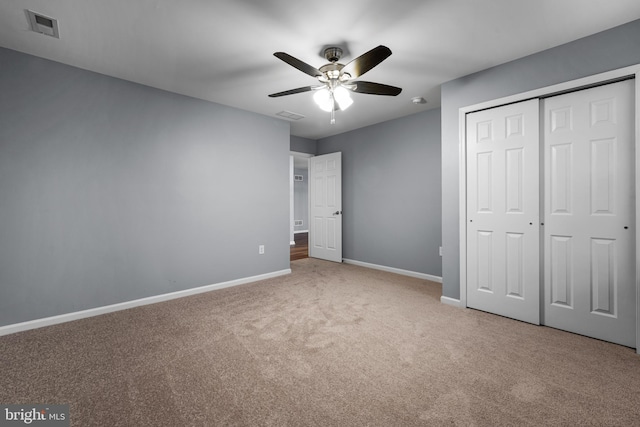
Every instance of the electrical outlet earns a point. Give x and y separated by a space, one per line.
261 249
440 250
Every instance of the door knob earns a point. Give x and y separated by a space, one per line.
337 212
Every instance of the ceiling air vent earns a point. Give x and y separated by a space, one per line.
290 115
43 24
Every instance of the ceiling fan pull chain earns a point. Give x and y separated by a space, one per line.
333 111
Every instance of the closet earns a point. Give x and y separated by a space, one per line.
550 211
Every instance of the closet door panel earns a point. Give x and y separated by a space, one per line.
589 268
503 211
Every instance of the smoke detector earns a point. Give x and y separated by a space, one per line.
43 24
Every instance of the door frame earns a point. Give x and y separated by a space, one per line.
292 156
545 92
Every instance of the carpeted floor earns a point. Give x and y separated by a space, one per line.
328 345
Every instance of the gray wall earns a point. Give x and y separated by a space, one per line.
112 191
303 145
391 192
615 48
301 199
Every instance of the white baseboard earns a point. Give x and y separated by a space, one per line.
292 243
450 301
394 270
300 231
68 317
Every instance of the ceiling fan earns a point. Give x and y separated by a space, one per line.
336 80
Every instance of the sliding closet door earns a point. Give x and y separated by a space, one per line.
589 213
503 240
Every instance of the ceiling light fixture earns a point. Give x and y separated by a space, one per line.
324 99
342 97
330 99
337 79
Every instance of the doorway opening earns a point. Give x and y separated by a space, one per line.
299 211
301 248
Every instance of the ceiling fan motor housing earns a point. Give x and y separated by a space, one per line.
333 54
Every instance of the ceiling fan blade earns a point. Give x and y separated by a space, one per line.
292 91
373 88
295 62
366 61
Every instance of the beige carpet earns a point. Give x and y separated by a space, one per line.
328 345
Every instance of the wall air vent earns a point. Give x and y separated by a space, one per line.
43 24
290 115
298 178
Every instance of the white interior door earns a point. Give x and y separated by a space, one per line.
325 207
503 241
589 213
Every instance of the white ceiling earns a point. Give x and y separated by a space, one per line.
222 50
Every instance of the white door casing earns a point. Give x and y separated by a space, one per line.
291 200
325 207
503 246
589 261
293 156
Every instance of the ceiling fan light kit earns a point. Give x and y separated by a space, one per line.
337 79
325 98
